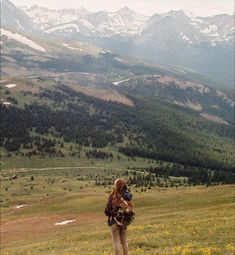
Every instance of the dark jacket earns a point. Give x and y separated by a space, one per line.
111 210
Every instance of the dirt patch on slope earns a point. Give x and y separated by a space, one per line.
213 118
36 227
104 94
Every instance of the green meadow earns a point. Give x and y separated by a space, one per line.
178 220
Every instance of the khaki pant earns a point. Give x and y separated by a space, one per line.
119 237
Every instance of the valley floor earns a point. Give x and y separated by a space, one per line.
184 220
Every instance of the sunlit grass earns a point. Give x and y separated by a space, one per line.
173 221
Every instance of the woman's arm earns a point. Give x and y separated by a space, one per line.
109 208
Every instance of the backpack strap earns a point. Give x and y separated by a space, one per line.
123 200
119 223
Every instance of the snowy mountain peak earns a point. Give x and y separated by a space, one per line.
36 7
84 10
182 25
189 14
13 17
188 29
126 10
45 18
175 14
6 3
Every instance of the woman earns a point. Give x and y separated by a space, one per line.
118 229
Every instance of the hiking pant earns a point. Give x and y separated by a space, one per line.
119 237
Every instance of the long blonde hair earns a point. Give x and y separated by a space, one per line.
120 186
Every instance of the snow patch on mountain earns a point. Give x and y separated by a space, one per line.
119 59
63 28
209 29
225 98
20 206
197 20
6 103
65 222
186 38
70 47
22 39
46 18
118 82
87 24
125 22
10 86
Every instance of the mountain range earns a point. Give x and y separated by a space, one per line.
176 38
31 54
59 86
125 22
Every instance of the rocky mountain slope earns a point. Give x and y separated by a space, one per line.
55 93
176 38
41 113
210 103
188 28
106 75
44 18
15 18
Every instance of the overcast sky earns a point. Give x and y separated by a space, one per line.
149 7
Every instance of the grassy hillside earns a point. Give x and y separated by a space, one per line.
52 114
192 95
60 124
183 220
68 56
66 135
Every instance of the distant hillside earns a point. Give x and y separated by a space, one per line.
14 18
210 103
175 38
40 115
33 55
58 94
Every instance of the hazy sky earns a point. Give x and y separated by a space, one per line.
149 7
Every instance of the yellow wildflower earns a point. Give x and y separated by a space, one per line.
139 251
205 251
230 247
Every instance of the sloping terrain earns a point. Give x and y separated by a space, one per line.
193 95
195 44
68 92
37 56
148 128
72 195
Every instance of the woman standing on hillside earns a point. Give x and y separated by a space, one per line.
118 202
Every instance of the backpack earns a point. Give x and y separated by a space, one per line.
125 214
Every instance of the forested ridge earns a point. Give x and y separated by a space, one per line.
150 129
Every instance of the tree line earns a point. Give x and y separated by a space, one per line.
149 130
